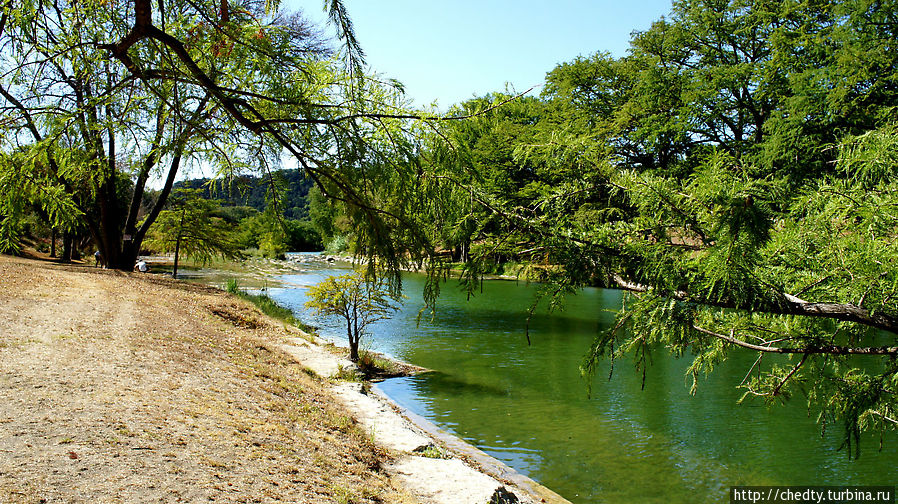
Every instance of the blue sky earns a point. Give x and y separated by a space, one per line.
449 51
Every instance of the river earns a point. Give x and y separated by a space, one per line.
527 405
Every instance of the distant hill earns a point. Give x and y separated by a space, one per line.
251 191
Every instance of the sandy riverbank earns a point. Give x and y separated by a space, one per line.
133 388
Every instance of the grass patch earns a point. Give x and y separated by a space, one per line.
343 495
268 306
431 451
372 364
348 374
375 367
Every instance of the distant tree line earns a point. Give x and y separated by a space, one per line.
248 214
249 190
283 211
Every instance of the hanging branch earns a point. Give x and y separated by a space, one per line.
825 349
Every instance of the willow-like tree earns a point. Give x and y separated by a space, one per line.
739 181
96 92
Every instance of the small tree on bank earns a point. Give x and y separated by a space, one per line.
188 229
358 301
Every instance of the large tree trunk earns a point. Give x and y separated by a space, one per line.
67 247
119 250
119 237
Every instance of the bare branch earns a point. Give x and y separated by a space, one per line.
787 305
828 349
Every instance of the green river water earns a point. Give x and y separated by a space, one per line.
528 406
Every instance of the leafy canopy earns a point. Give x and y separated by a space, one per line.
735 173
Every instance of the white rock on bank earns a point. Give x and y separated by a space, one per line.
317 359
443 481
390 430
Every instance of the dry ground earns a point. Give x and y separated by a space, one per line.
120 387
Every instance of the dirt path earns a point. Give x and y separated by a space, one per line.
118 387
122 389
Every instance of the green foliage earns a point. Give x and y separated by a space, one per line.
302 236
26 185
189 229
273 244
323 214
371 364
349 374
337 244
431 451
358 300
10 234
255 192
232 286
736 172
722 258
234 214
234 89
274 237
269 235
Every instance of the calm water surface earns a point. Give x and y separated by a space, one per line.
528 406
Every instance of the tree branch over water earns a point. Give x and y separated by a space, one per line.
787 305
